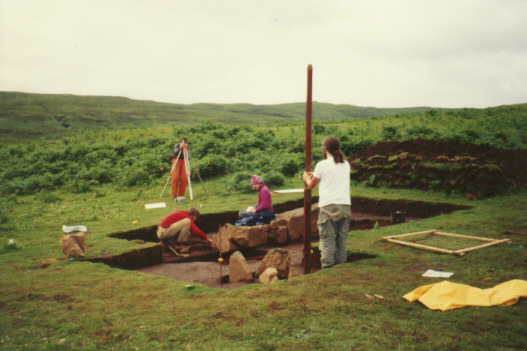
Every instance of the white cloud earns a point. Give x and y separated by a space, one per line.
370 53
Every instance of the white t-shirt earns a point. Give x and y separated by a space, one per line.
334 185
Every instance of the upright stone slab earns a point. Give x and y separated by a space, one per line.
239 269
72 245
277 258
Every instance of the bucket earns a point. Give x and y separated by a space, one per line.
398 217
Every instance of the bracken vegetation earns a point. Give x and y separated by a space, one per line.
136 157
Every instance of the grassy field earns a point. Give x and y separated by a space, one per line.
104 158
50 303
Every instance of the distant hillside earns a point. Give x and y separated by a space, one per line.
30 116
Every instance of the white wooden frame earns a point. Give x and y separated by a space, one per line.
396 239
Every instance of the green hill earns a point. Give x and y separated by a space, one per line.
30 116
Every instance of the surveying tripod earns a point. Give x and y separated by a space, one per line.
188 160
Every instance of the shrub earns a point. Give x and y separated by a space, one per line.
290 164
423 132
352 146
48 198
6 204
318 127
135 177
79 187
241 181
273 179
212 166
390 133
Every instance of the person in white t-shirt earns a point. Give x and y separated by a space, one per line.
332 175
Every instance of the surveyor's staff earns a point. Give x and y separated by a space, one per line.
307 191
172 170
187 168
220 260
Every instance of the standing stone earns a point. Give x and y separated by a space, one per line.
72 245
239 269
277 258
270 275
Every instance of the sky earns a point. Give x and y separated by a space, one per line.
390 53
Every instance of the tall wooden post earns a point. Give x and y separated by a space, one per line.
307 192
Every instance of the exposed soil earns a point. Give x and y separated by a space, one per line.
202 267
475 170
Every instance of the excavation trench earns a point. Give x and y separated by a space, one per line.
202 267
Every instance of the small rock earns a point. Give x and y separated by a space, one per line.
270 275
277 258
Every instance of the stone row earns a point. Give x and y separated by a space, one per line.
287 227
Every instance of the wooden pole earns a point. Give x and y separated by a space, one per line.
307 192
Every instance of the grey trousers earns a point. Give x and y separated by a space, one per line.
333 227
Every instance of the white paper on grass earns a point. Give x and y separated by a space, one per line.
285 191
156 205
436 274
74 228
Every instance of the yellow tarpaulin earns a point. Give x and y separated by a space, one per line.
447 296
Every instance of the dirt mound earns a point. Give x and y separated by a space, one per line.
436 165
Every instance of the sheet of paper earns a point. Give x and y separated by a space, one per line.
436 274
74 228
286 191
156 205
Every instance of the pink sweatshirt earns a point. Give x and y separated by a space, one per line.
264 199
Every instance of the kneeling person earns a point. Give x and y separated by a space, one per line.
179 226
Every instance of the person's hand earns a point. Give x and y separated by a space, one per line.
306 176
209 240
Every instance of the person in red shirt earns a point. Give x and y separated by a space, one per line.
179 226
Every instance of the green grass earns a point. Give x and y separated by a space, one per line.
50 303
84 306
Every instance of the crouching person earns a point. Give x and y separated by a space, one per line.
179 226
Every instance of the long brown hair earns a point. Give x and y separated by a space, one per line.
332 146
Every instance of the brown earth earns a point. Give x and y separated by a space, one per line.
514 162
202 267
476 170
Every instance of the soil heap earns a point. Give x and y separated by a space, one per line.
475 170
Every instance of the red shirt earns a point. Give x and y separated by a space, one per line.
176 216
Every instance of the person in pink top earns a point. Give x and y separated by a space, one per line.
263 212
179 226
